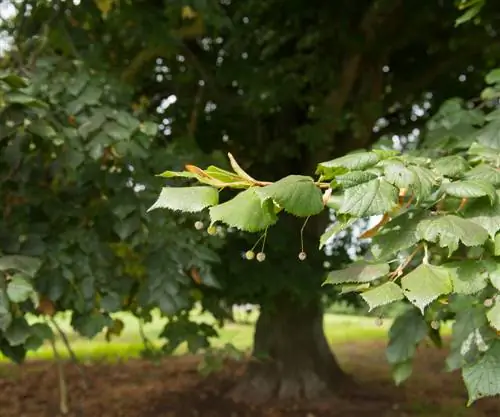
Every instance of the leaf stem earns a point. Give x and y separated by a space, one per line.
302 234
426 254
400 269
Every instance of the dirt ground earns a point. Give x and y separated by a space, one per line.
173 388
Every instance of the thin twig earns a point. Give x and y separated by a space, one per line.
72 355
63 389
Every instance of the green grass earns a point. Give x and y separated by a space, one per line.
339 329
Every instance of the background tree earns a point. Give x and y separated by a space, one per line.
279 85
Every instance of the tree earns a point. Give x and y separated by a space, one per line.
74 233
441 222
280 85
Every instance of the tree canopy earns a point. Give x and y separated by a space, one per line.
99 97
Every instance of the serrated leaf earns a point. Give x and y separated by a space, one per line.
354 161
425 180
468 276
451 166
296 194
19 288
334 230
382 295
368 199
186 199
485 215
484 172
26 264
358 272
449 230
470 189
246 212
407 331
354 178
397 235
425 284
482 378
401 372
398 174
493 316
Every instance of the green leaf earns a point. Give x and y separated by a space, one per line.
26 264
484 172
5 315
398 174
358 272
485 215
425 284
246 212
482 378
181 174
186 199
19 288
354 178
470 189
42 129
425 180
149 128
18 332
489 135
451 166
407 331
91 324
296 194
468 276
334 230
397 235
371 198
401 372
382 295
496 247
92 124
353 161
448 230
493 77
468 333
116 131
493 316
13 80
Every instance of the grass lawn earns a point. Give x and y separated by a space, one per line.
339 330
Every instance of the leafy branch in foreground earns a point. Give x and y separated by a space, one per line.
437 245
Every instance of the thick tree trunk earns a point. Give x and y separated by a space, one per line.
291 357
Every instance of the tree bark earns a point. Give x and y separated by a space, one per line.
291 357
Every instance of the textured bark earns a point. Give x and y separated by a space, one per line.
291 357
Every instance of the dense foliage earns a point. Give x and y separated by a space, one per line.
437 244
77 177
280 85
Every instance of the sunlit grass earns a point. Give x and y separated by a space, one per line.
339 329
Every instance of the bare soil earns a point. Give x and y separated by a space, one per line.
174 388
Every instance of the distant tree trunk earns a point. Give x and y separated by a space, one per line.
291 356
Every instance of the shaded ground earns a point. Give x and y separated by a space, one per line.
173 388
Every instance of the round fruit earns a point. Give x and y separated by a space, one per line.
261 256
250 254
302 256
198 225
